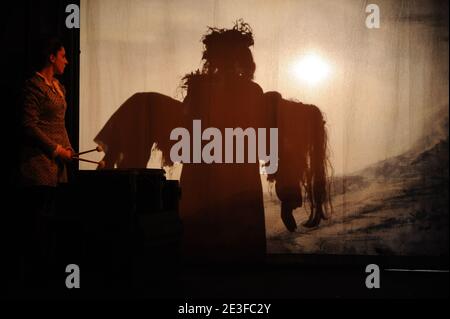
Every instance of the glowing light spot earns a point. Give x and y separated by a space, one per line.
311 69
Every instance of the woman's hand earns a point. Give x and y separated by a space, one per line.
64 153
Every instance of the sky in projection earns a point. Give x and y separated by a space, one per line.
378 88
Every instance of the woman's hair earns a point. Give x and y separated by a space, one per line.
45 47
227 51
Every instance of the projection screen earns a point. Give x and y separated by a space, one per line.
383 90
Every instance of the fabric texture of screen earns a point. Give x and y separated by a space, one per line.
367 80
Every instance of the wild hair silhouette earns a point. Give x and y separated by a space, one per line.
227 51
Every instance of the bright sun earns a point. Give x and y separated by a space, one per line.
311 69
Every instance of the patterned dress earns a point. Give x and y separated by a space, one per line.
43 124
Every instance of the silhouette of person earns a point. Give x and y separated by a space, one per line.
222 204
222 207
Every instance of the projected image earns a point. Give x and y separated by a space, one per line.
305 127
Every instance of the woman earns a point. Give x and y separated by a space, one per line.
46 146
45 150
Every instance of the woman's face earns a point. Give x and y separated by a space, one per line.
59 61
